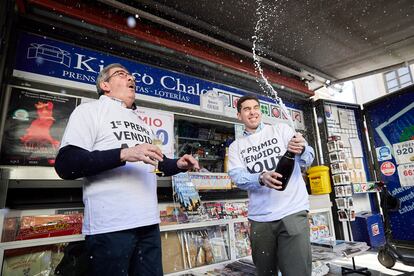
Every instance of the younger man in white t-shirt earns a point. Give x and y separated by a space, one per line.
279 231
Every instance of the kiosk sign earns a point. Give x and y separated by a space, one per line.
43 59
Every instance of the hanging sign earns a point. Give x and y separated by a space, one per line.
211 102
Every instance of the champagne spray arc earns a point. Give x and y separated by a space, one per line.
286 163
263 12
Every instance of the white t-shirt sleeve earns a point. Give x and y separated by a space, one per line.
81 130
235 160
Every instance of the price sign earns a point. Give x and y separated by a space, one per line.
406 174
209 181
404 152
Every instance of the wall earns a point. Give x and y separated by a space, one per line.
369 88
372 87
358 91
339 92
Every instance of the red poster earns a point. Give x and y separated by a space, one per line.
34 127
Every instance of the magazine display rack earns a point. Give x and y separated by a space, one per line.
344 145
219 239
37 239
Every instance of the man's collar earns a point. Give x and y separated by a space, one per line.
122 103
259 128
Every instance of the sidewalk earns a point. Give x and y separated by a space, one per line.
369 260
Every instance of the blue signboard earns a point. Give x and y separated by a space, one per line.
391 123
79 67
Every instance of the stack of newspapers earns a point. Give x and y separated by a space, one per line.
339 247
330 244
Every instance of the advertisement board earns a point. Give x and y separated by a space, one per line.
34 126
390 120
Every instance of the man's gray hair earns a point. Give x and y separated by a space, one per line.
104 75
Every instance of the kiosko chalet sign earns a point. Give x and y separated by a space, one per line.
47 60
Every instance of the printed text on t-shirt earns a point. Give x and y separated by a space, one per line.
262 157
130 131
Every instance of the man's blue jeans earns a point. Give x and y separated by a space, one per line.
132 252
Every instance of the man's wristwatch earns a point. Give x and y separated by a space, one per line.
261 179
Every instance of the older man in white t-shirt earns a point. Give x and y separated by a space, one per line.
106 142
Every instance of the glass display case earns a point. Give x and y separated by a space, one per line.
36 242
59 258
242 239
204 139
196 247
33 242
321 225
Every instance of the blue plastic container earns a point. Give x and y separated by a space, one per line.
369 228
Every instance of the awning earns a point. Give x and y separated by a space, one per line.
332 39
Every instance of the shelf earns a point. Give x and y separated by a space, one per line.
191 225
72 238
198 271
42 241
317 202
212 141
28 173
164 181
46 177
216 158
193 139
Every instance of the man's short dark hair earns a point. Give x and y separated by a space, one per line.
245 98
104 75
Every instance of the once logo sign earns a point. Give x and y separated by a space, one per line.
387 168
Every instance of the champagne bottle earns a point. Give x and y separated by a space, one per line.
285 167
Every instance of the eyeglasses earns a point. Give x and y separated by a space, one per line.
122 74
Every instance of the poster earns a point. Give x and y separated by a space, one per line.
162 123
406 174
391 123
383 153
331 114
34 127
356 147
343 118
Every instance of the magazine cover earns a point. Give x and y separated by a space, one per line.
186 193
34 127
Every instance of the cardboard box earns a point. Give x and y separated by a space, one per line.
172 254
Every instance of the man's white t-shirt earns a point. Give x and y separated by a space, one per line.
120 198
260 152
